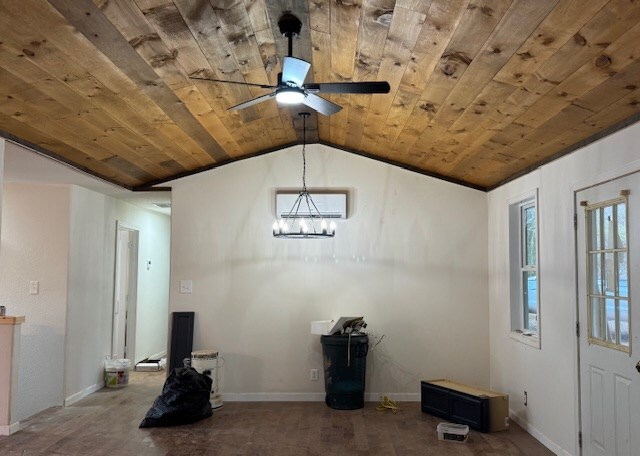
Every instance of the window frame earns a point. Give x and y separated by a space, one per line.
518 267
602 251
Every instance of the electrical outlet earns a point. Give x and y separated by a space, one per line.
313 375
34 287
526 400
186 286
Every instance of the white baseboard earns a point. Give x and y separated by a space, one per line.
11 429
82 394
311 397
272 397
539 436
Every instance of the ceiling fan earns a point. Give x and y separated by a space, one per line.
291 88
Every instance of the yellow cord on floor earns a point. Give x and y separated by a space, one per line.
388 404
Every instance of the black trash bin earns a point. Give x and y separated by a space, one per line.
345 364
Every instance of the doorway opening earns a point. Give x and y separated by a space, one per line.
125 292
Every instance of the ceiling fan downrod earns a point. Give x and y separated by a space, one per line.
290 27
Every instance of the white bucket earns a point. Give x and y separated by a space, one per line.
204 360
116 372
208 361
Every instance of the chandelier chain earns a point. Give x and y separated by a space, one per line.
304 159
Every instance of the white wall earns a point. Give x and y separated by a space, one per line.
411 258
3 142
548 375
91 284
91 271
35 246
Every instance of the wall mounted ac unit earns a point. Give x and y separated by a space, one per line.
330 205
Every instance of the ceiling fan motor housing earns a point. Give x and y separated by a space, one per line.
289 25
291 88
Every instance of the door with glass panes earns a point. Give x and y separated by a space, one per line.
608 244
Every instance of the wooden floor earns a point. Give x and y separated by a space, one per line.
106 423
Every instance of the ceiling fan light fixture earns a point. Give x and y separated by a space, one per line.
290 95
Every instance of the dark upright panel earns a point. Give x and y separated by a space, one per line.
181 338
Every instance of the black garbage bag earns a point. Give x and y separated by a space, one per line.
184 400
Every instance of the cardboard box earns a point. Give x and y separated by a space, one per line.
484 410
322 327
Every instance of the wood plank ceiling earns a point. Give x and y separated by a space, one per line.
481 90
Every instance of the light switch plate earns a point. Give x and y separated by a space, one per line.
34 287
186 286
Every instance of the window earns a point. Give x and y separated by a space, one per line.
608 274
523 265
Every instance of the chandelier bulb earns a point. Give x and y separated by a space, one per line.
275 228
332 227
323 226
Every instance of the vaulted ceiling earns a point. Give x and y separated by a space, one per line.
481 90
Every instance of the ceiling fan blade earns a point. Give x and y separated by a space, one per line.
295 70
246 104
262 86
349 87
321 105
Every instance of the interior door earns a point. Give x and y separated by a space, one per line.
121 293
608 244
